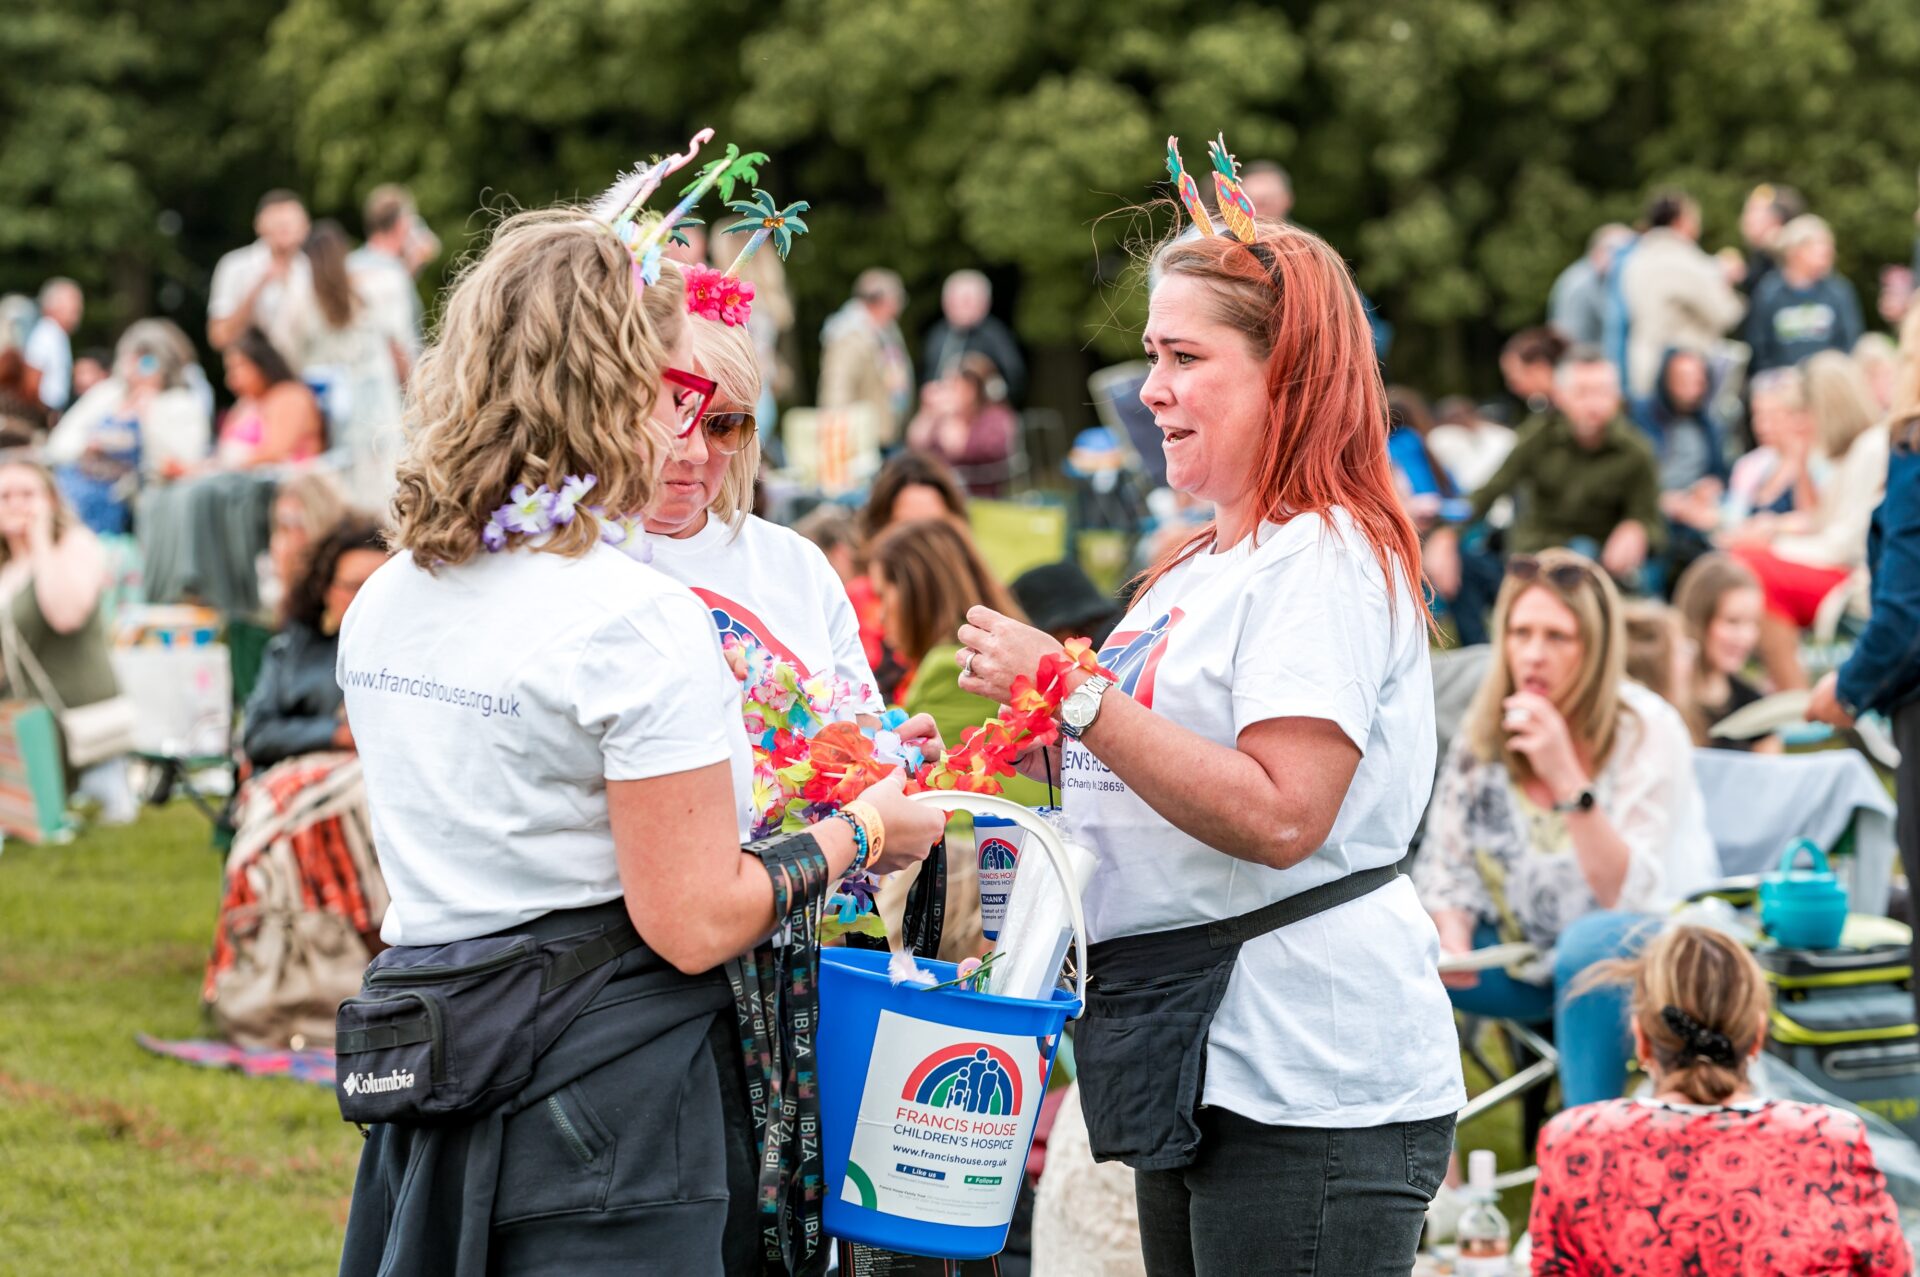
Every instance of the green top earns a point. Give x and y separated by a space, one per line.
76 664
1570 492
936 691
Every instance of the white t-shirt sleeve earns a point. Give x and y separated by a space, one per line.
652 687
1317 640
231 280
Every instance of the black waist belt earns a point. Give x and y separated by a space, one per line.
1141 1047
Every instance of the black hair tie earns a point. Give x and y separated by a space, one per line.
1698 1041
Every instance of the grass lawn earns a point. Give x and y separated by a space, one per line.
118 1161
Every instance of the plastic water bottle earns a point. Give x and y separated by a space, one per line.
1482 1234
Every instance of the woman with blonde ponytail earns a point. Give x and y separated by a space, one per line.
1703 1176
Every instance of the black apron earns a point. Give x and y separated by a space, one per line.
1141 1046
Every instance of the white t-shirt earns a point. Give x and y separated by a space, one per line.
1338 1020
386 285
491 704
774 586
50 351
273 310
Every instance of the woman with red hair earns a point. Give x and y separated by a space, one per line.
1267 1042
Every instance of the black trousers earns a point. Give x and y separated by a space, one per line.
1293 1199
1906 819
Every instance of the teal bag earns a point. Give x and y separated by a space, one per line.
1803 909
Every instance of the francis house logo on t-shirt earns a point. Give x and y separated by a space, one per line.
736 621
1134 656
967 1077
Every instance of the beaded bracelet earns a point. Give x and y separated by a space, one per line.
860 848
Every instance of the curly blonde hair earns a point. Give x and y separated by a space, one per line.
726 354
547 363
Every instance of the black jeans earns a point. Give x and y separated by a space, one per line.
1293 1199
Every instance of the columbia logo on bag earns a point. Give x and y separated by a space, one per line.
369 1084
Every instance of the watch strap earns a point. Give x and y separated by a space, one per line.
1582 801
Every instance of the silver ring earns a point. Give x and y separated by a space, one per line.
966 662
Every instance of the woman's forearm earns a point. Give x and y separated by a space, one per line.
1604 855
745 916
694 895
1273 815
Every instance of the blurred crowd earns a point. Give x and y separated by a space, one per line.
1712 429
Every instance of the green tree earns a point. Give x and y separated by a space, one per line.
1458 151
133 142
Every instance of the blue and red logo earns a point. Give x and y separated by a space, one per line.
968 1077
998 853
736 621
1134 656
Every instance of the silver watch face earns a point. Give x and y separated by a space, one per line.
1079 708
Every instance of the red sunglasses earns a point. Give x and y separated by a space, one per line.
691 399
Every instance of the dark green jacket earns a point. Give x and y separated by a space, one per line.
1566 492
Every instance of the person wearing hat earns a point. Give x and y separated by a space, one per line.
1062 600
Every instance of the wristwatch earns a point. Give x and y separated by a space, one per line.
1082 706
1582 801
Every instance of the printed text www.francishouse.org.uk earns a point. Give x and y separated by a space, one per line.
427 688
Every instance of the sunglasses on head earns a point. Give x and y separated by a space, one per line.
1563 576
692 393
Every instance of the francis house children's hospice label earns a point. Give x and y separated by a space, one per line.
945 1122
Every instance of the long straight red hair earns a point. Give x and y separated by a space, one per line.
1325 441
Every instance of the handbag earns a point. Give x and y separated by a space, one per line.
292 965
93 733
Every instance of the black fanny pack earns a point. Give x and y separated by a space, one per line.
1141 1047
449 1031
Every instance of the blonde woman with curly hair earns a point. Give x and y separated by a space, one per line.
556 771
1565 814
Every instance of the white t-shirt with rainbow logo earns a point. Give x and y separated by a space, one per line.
1338 1020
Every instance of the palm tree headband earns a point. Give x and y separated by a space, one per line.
714 294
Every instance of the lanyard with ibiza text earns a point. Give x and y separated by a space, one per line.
777 1004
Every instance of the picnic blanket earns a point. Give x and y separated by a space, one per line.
314 1065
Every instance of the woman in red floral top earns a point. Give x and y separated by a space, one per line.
1704 1179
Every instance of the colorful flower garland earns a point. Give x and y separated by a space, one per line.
811 755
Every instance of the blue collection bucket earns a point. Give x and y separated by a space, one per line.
928 1096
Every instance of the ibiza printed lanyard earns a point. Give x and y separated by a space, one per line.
776 996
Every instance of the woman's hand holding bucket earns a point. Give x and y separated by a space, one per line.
911 828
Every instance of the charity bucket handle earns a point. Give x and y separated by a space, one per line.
1790 858
1049 837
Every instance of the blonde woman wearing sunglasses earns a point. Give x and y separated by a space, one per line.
1566 815
761 582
